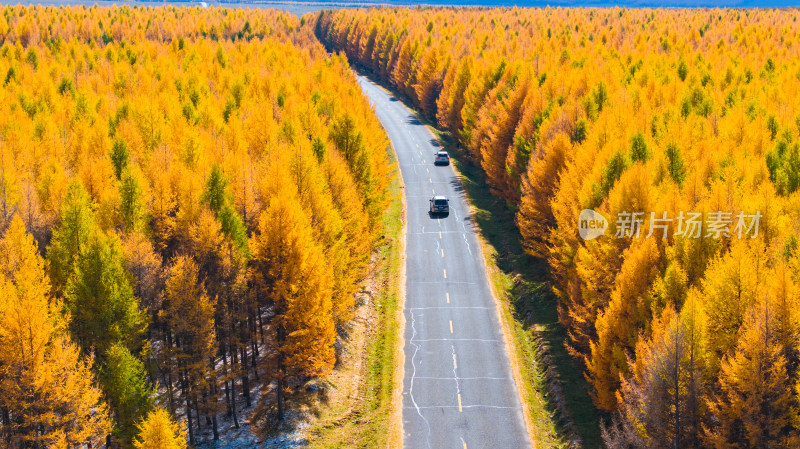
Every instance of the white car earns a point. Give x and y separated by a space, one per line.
442 158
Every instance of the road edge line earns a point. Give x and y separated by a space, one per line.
395 439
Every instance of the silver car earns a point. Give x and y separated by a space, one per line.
442 158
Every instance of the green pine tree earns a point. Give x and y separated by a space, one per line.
123 378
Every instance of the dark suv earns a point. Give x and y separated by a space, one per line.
440 205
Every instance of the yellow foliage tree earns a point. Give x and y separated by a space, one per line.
289 267
618 326
755 406
732 285
662 400
158 431
47 391
189 313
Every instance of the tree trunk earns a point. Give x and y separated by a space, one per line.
197 412
225 382
214 399
245 378
280 393
189 421
253 356
260 324
215 427
281 374
677 403
233 403
170 391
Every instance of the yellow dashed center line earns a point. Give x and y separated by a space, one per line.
448 297
430 180
440 235
455 363
451 326
445 273
459 404
442 253
465 445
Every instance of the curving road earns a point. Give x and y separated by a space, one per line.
458 391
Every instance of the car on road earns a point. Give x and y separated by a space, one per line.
440 205
442 158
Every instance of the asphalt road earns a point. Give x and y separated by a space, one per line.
458 391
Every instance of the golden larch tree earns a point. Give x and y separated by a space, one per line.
290 268
755 406
47 391
159 431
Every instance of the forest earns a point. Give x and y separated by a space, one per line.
686 339
189 199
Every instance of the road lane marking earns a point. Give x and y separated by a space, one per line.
430 180
440 235
450 308
477 406
460 410
428 170
442 253
437 282
434 191
448 297
455 362
480 340
464 443
451 326
445 273
464 378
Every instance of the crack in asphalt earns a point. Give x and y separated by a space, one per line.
413 377
467 242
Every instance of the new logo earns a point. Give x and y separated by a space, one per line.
591 224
